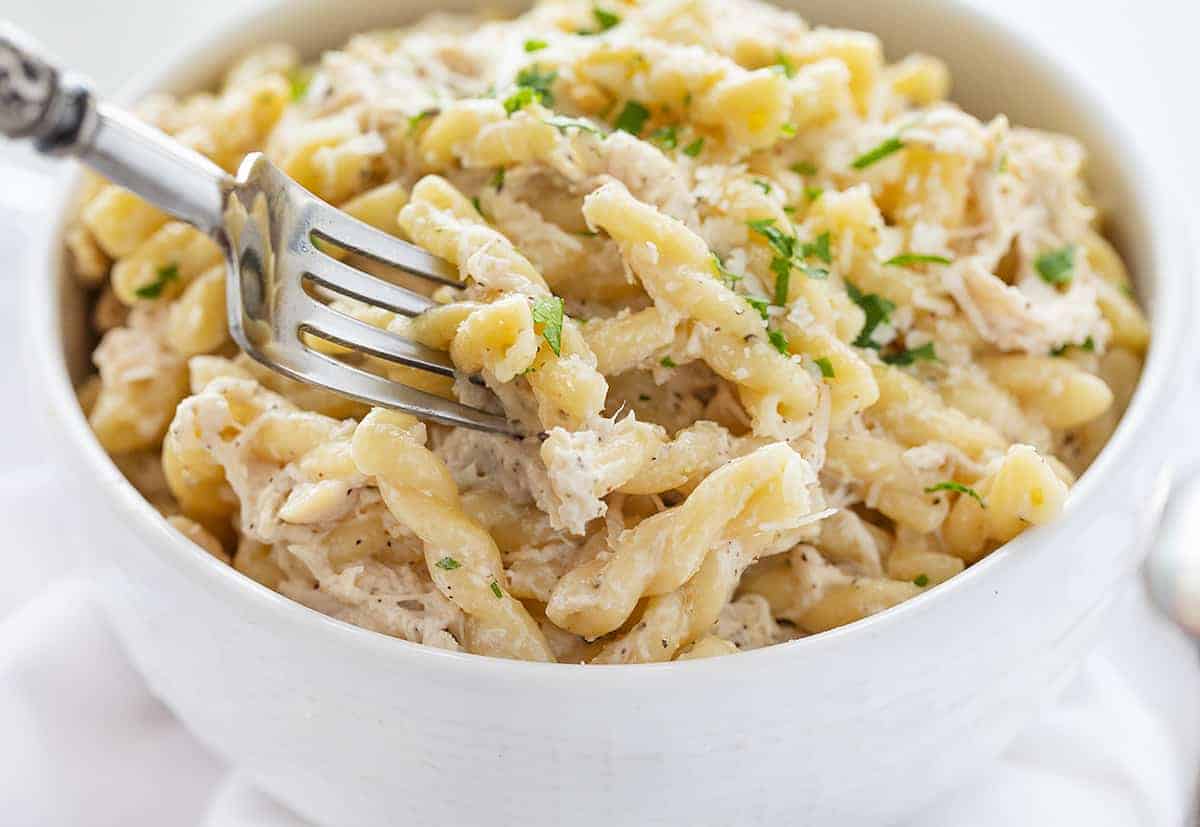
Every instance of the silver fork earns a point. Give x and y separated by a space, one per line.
266 224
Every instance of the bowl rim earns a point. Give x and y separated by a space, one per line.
45 361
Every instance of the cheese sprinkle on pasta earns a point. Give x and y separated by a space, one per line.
798 338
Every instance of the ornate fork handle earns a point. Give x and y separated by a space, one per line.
38 101
58 111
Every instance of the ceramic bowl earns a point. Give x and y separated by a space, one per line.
859 725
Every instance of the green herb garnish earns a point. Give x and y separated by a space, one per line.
762 185
694 148
813 193
789 130
162 277
475 203
562 123
758 304
727 277
548 312
632 118
667 362
535 45
447 564
1088 344
804 168
782 268
786 247
497 180
778 340
534 78
665 136
782 64
924 353
783 244
921 580
605 19
909 259
950 485
519 99
496 590
299 79
877 309
818 249
414 121
825 365
1057 266
891 145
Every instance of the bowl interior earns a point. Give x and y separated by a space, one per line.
993 72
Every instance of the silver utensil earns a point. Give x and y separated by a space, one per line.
266 224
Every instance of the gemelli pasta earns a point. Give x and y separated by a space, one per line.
792 338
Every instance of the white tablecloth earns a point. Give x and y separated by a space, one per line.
82 742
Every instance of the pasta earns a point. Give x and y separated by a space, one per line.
791 338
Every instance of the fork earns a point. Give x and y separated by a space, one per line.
266 224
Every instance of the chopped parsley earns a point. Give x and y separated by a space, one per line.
497 181
605 19
818 249
539 85
758 304
825 365
762 185
519 99
1003 165
784 66
562 123
909 259
786 249
924 353
667 362
727 277
535 45
813 193
1088 344
878 311
496 590
415 121
694 148
783 244
921 580
779 341
665 136
782 268
643 397
299 80
162 277
804 168
448 564
789 130
1057 266
475 203
548 312
951 485
633 118
891 145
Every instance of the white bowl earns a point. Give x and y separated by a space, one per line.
855 726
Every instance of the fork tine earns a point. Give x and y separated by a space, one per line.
344 279
375 390
347 331
337 227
